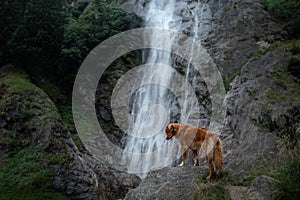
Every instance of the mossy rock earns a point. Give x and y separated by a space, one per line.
30 138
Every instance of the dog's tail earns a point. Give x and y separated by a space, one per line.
218 155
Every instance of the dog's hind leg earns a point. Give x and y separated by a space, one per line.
218 156
211 167
196 158
184 156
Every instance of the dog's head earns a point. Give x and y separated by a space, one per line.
171 130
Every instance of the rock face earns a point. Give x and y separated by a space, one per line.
261 188
262 108
167 183
239 35
29 118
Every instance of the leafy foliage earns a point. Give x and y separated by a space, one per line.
98 21
286 10
33 41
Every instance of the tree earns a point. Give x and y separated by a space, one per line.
36 43
287 11
11 16
98 21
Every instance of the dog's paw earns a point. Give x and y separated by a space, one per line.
181 164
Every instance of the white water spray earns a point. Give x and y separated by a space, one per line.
151 103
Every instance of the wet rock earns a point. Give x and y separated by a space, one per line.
105 114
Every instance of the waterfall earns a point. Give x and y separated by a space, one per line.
148 119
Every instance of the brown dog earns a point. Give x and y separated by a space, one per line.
196 138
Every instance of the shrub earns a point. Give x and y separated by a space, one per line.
287 11
289 185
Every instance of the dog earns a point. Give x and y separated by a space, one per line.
196 138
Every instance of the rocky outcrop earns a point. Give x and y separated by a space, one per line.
29 118
167 183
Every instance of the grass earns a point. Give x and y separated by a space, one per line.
213 189
23 176
26 172
288 186
20 89
17 81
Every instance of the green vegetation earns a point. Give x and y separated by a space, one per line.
211 190
25 170
294 66
229 80
23 176
289 92
50 39
98 21
286 11
19 88
17 81
33 41
288 186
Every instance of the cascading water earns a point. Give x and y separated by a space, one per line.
146 133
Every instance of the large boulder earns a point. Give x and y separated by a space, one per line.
167 183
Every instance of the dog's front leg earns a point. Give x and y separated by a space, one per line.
184 156
196 158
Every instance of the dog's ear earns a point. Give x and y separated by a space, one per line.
171 128
167 128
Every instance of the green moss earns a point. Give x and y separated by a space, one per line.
35 106
13 140
18 82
